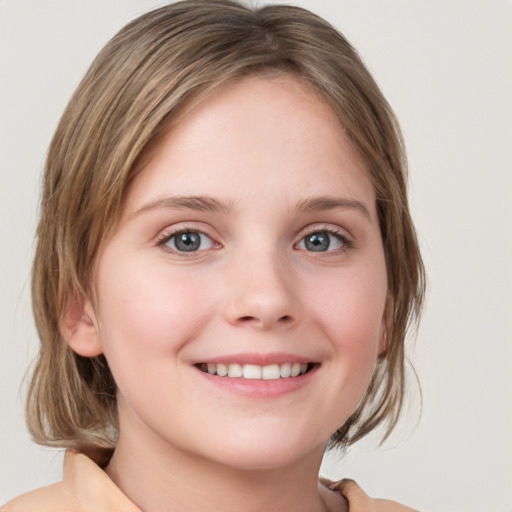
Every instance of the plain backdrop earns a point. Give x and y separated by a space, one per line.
445 66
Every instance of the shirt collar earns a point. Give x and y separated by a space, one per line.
92 487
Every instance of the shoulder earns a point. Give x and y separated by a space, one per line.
85 487
359 501
52 498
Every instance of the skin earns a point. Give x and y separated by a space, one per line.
359 501
275 167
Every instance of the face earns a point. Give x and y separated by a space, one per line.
240 302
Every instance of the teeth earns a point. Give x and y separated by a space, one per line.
270 372
253 371
286 370
234 370
295 369
222 370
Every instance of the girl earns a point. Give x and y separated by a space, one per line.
226 268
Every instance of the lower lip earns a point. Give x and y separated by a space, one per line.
259 388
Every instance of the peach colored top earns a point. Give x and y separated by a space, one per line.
85 487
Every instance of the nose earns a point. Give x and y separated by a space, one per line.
261 293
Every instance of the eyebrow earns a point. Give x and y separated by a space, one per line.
201 203
207 203
322 203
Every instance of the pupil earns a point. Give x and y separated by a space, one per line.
317 242
188 242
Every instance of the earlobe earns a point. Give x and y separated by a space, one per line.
80 330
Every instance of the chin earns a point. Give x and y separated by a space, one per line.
266 452
259 461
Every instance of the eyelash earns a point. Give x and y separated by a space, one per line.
168 236
346 242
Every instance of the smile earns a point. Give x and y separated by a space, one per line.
256 372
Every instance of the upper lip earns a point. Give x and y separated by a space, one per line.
257 359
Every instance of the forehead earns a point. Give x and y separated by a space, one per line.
268 134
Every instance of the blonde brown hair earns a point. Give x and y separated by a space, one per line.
150 73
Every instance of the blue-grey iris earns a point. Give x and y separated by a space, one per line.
317 242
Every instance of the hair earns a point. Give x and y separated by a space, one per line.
150 74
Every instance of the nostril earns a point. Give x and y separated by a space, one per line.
249 318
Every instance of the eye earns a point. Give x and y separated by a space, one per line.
322 241
188 241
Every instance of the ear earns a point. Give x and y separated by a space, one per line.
80 329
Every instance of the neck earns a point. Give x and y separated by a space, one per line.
158 477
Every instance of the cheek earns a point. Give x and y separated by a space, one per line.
353 308
351 311
147 311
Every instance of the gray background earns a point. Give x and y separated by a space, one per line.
445 66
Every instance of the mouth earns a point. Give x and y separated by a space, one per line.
257 372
